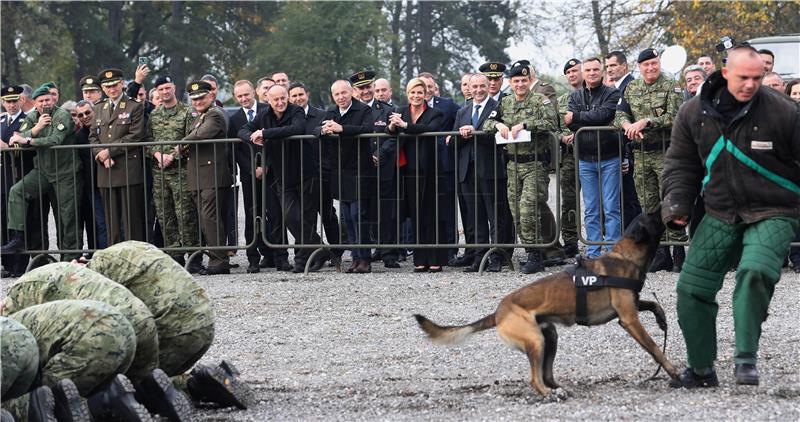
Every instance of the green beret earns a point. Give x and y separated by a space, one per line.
42 90
49 85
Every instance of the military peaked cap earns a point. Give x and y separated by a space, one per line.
492 69
89 83
110 77
11 93
197 89
362 78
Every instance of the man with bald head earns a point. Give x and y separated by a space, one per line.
383 91
751 186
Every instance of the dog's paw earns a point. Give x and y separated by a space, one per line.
558 395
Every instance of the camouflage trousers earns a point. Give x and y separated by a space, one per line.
569 225
527 188
181 308
175 209
648 168
20 358
64 280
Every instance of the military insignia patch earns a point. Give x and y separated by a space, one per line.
678 89
10 89
361 76
195 87
109 74
24 126
525 72
60 126
121 105
659 111
546 101
89 81
493 66
493 114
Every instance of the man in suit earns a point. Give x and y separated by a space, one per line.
383 156
482 176
446 172
208 172
262 85
249 171
465 87
353 174
617 71
293 182
495 72
298 95
120 174
383 91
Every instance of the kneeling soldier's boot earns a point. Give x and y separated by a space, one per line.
41 405
678 256
533 264
70 406
157 393
14 245
219 384
117 402
662 260
195 264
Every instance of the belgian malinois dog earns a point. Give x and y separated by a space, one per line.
525 318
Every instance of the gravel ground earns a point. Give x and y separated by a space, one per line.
333 346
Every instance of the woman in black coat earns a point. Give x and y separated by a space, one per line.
417 162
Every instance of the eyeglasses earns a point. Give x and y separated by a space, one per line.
82 115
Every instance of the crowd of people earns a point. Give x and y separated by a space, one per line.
396 187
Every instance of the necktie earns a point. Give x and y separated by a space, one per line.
250 115
476 116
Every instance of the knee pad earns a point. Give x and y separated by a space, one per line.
699 283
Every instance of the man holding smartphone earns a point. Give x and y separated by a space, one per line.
55 173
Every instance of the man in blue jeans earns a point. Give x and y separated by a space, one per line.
598 154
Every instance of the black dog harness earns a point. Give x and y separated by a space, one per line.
586 280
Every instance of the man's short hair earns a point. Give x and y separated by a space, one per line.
265 78
695 68
298 85
243 82
772 75
427 75
768 52
209 77
69 105
593 59
620 56
153 92
27 90
82 103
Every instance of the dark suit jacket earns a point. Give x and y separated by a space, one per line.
207 163
383 148
419 151
124 125
623 105
13 163
628 79
242 152
449 110
314 119
482 149
351 157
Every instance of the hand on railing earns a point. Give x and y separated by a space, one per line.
103 155
257 138
259 172
3 145
634 131
395 121
567 139
466 131
108 163
329 126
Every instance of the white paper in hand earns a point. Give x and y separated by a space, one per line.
522 136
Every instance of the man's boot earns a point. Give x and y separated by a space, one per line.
195 264
662 260
678 256
15 244
746 374
41 405
219 384
533 264
157 393
70 406
117 402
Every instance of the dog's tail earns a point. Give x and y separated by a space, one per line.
454 334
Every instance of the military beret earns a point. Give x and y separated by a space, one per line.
50 85
197 89
519 70
11 93
647 54
365 77
165 79
42 90
110 77
89 83
492 69
570 63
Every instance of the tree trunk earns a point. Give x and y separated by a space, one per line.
394 68
175 57
597 21
426 59
409 35
115 22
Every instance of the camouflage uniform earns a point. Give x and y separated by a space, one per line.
20 358
72 281
173 200
569 226
527 181
184 318
659 103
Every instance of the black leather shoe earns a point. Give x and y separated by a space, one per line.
746 374
533 264
662 260
688 379
678 256
282 264
390 263
253 268
156 392
495 266
474 268
219 384
41 405
117 402
70 406
267 262
571 249
14 245
460 261
216 270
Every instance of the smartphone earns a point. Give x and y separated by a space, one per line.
47 110
142 60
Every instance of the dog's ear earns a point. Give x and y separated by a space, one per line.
639 231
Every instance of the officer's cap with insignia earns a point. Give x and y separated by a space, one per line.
362 78
11 93
647 54
522 62
42 90
165 79
110 77
519 70
570 63
89 83
198 89
492 69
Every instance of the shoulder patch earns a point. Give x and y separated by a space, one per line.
546 101
23 126
678 89
60 126
493 114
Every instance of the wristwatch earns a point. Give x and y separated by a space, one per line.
525 126
28 140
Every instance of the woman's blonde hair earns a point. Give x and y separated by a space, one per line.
414 83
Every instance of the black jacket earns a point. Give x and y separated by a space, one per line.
766 130
420 151
242 152
385 149
595 107
479 151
